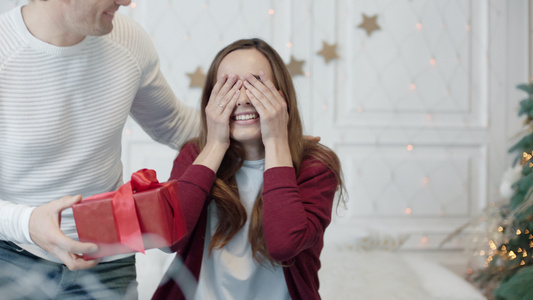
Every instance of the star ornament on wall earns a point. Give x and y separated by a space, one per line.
369 24
329 52
295 66
197 78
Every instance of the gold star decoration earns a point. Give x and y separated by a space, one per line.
197 78
295 66
370 24
328 51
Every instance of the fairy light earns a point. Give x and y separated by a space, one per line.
360 109
133 5
468 27
408 211
526 157
512 255
412 86
429 117
324 106
419 26
432 61
500 229
482 253
492 245
271 11
469 271
187 37
518 232
409 147
289 45
424 240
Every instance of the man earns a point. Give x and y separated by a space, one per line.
70 73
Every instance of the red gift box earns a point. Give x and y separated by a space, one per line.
141 214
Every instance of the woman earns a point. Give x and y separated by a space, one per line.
257 195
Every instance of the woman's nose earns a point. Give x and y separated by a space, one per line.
243 97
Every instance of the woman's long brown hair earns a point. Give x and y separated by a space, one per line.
231 212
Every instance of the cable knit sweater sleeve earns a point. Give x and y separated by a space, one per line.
296 211
155 107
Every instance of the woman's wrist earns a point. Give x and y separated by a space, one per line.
277 154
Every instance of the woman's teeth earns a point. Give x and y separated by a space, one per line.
245 117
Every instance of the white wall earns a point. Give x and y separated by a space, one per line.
439 76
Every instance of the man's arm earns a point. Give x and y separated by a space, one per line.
41 225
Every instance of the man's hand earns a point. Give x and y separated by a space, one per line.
45 231
312 138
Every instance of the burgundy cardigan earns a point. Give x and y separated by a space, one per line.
296 211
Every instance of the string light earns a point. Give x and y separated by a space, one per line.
432 61
133 5
271 11
360 109
419 26
413 86
425 180
408 211
424 240
518 232
289 45
492 245
409 147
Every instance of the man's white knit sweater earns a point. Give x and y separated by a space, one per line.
62 112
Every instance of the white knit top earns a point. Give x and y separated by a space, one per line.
62 112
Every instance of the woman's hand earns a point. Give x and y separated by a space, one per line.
218 111
270 105
220 107
274 117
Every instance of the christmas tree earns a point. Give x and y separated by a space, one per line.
508 244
